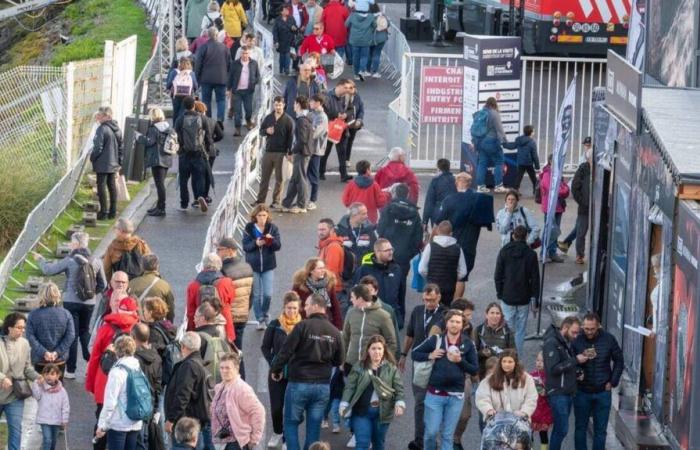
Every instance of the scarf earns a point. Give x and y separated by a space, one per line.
287 324
319 287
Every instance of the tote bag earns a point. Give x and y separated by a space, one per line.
423 369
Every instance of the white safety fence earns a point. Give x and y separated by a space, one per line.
544 80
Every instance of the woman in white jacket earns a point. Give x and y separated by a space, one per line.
512 215
510 388
121 431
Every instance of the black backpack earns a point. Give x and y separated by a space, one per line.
349 264
171 356
86 280
131 263
192 134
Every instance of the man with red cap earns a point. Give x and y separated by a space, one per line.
115 324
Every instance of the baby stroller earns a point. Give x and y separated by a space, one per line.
506 431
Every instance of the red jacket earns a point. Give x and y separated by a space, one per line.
334 257
302 11
227 293
311 44
333 18
96 379
545 179
398 172
333 314
365 190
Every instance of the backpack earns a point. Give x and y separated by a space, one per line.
171 356
170 144
192 134
480 124
130 262
216 348
349 264
86 280
182 83
139 402
382 23
109 358
210 291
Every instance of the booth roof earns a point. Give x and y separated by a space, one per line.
673 118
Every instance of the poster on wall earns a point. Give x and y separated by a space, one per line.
683 323
441 95
670 30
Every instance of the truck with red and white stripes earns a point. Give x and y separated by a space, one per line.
554 27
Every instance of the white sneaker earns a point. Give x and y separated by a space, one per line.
69 375
297 210
253 322
311 206
500 189
483 189
324 424
261 325
351 443
357 77
336 428
275 441
376 75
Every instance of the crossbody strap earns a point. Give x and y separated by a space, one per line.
148 289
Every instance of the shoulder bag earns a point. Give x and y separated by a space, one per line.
423 369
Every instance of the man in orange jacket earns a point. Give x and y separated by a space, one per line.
330 250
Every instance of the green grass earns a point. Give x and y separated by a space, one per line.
3 433
55 235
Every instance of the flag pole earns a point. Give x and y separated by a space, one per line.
538 331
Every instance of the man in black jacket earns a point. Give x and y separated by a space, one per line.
310 352
188 393
442 262
278 129
560 365
151 366
336 108
211 65
593 398
581 191
106 158
243 78
299 155
517 279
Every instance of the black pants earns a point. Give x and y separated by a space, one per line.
81 321
209 175
530 173
196 168
108 180
240 328
351 140
101 443
340 148
277 390
159 174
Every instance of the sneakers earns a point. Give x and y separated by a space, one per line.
346 179
156 213
563 246
69 375
252 322
365 74
413 445
336 428
275 440
183 208
351 443
261 325
284 209
297 210
203 204
500 189
357 77
580 260
483 189
324 424
555 258
311 206
276 206
376 75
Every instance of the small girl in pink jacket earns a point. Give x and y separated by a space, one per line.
53 405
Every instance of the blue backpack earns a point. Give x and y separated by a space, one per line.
480 125
139 403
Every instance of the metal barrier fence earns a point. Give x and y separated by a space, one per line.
231 215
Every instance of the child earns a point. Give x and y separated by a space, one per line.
542 417
53 408
320 445
527 156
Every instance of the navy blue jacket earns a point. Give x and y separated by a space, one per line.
446 375
527 151
261 259
392 283
598 371
50 329
440 187
294 88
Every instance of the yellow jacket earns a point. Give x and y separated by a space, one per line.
235 19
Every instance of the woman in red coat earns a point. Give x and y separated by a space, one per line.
364 189
313 278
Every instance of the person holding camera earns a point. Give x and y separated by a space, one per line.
237 416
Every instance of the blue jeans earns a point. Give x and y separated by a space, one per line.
375 57
191 167
359 59
205 442
333 411
368 429
304 399
122 440
13 414
561 409
219 91
556 231
242 99
596 405
262 293
312 173
49 436
178 109
490 154
516 318
285 62
342 52
440 411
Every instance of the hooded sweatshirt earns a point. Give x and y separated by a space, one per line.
401 224
53 405
398 172
517 275
527 151
444 242
227 294
361 29
107 150
365 190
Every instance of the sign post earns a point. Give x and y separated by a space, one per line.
492 69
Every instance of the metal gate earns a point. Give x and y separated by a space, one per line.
544 81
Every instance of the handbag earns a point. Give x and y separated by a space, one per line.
423 369
537 243
21 388
336 129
